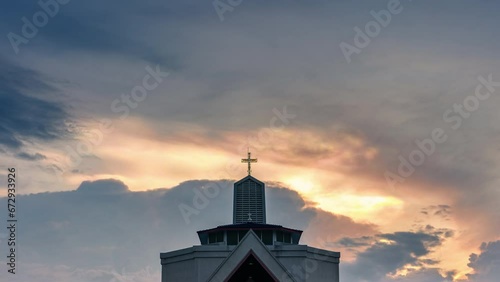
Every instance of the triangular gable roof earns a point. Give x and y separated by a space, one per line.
250 245
251 178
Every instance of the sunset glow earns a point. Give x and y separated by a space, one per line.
375 125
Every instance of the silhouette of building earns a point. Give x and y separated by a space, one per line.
250 249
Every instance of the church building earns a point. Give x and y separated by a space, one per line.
249 249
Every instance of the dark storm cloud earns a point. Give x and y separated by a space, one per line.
386 257
96 26
25 117
104 228
355 242
486 264
96 39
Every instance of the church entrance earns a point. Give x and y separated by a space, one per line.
251 271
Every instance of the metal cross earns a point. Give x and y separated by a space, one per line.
249 160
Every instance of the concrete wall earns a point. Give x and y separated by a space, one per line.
206 266
179 271
193 264
308 264
197 263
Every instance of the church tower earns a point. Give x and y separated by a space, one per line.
249 249
249 198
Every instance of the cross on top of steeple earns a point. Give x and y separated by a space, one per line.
249 160
249 198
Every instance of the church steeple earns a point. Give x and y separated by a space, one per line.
249 204
249 213
250 249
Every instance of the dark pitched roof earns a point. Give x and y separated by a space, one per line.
249 225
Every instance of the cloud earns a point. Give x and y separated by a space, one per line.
105 186
355 242
424 275
105 230
24 116
443 211
228 77
392 252
486 264
62 272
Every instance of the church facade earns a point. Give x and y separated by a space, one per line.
250 249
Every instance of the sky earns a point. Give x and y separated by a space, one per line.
375 124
